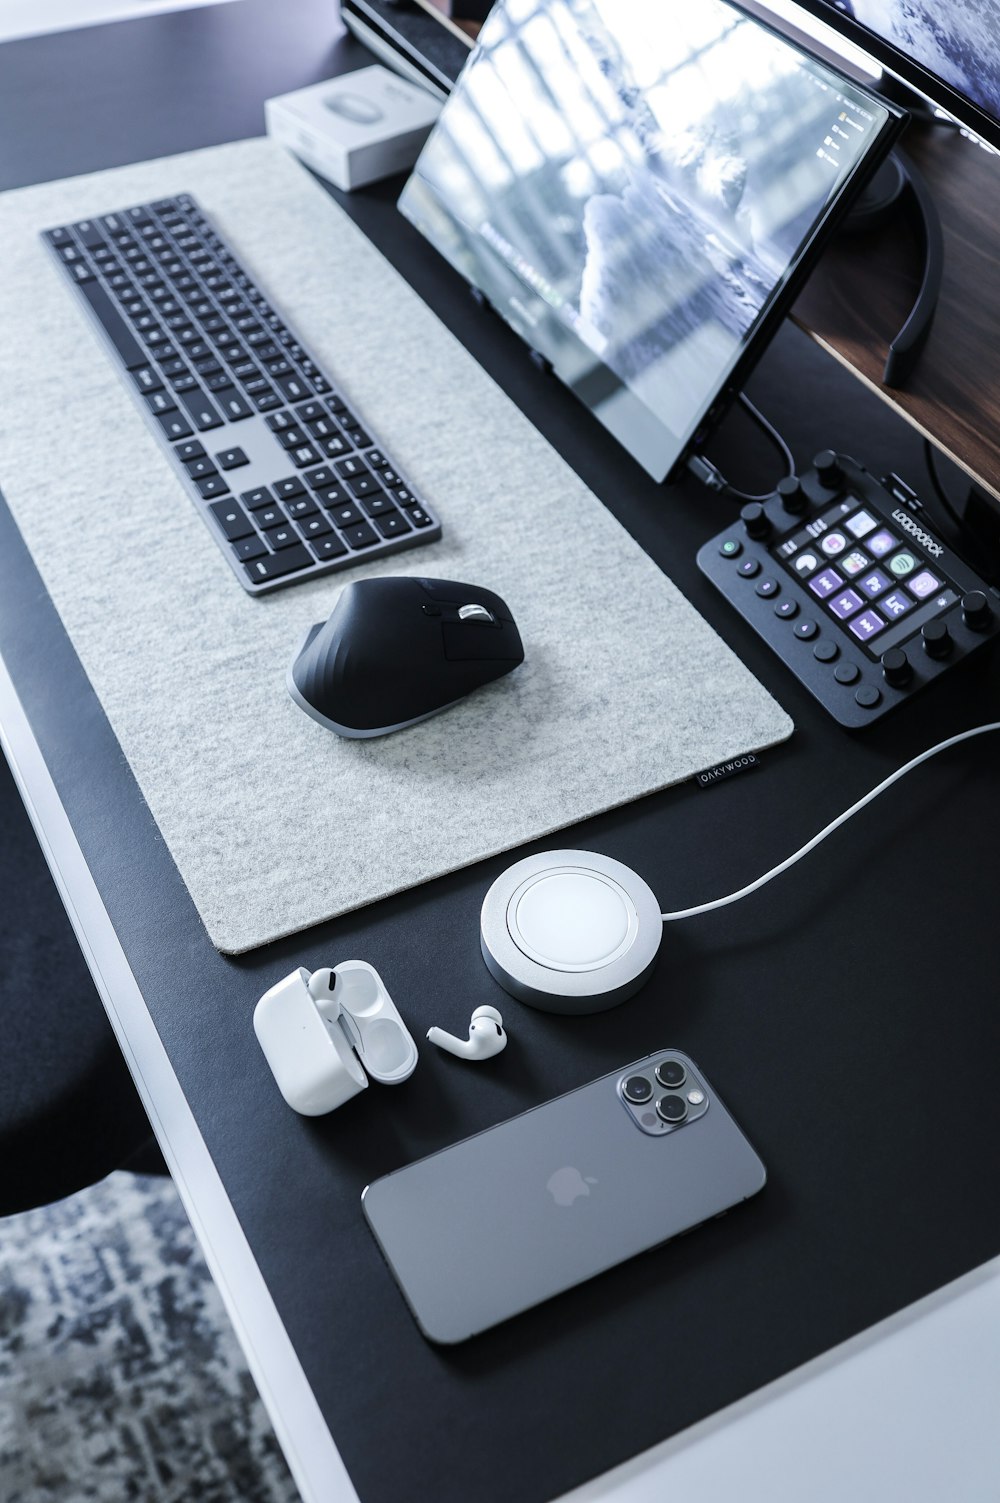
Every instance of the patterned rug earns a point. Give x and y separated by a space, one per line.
120 1376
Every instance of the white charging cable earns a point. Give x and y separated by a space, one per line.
776 871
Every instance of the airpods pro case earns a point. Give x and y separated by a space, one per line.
322 1045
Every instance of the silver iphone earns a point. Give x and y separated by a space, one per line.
495 1224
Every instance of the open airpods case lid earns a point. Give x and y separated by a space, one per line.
319 1048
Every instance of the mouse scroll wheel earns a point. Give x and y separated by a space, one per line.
474 613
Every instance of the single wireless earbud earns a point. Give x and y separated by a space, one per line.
486 1036
322 983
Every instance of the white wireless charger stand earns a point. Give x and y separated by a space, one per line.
570 931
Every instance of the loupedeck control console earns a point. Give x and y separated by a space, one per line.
847 584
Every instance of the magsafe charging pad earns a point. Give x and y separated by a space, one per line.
570 931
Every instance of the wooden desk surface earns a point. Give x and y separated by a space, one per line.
860 294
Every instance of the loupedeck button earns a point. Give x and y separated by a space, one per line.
806 630
767 588
868 696
847 673
825 652
786 609
748 568
730 548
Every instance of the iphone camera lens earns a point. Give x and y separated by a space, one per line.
671 1073
637 1088
672 1108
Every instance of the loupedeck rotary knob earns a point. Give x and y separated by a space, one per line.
937 639
828 471
755 520
976 612
793 497
896 667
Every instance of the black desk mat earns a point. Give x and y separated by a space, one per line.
847 1015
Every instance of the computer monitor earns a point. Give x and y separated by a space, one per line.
946 50
639 190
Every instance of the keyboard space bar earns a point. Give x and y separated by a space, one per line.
114 325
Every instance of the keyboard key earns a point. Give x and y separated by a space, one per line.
320 479
418 517
314 527
282 537
270 516
378 504
304 455
190 450
347 515
364 485
88 233
200 410
291 437
393 524
301 506
218 384
147 379
268 400
235 406
278 421
212 485
328 547
231 459
336 495
248 548
293 388
376 460
334 447
160 401
349 468
359 438
309 412
277 565
389 478
199 468
254 499
290 486
360 536
131 353
403 496
322 427
232 519
174 425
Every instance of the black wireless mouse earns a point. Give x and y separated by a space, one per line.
398 650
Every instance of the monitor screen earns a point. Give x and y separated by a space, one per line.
638 190
928 43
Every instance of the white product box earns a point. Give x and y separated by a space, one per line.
356 128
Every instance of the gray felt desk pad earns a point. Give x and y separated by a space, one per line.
274 822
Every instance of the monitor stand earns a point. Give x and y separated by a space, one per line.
899 188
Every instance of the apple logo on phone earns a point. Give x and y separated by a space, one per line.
567 1185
